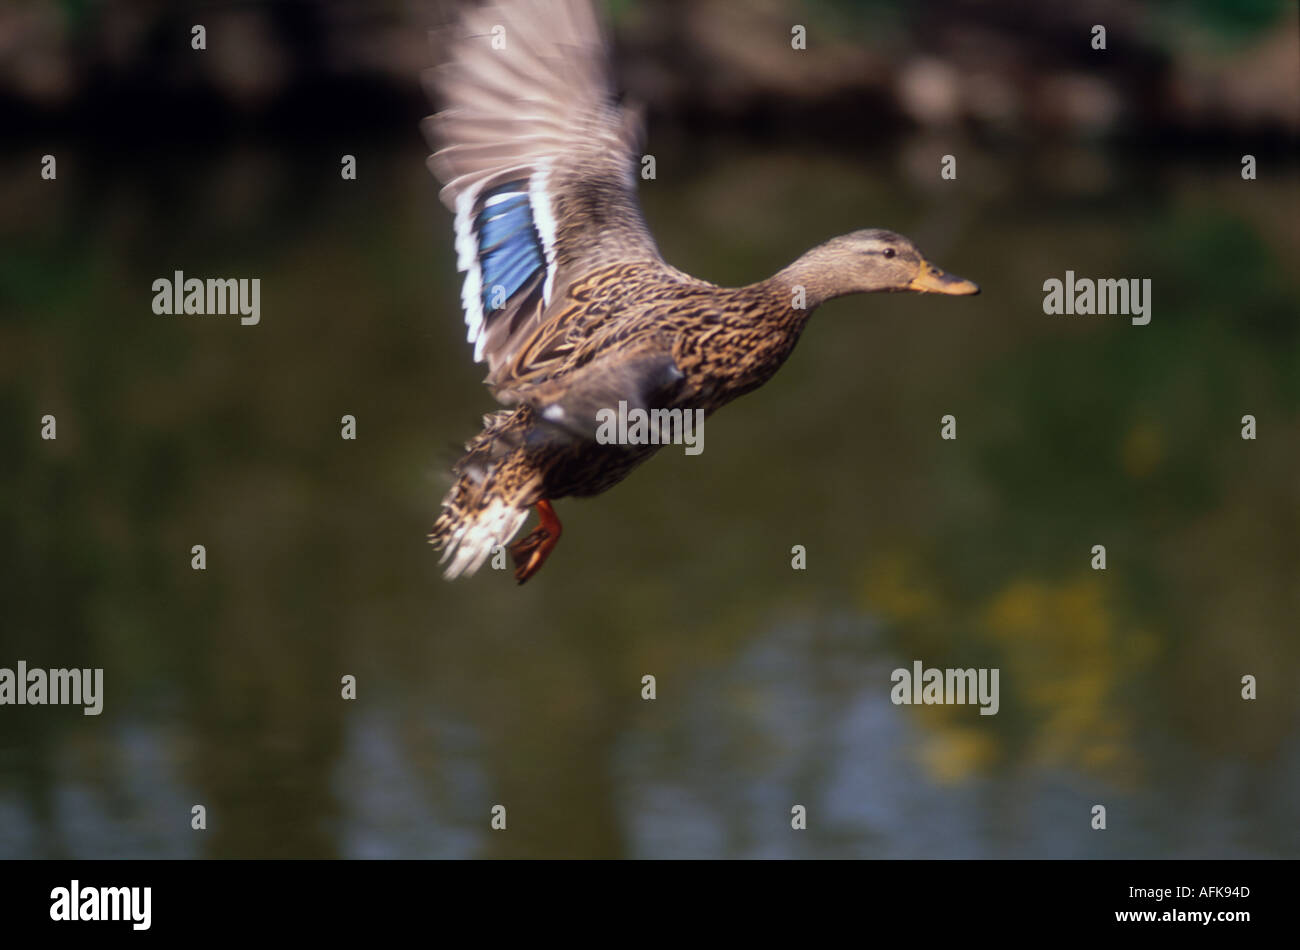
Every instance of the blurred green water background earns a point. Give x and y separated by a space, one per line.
222 687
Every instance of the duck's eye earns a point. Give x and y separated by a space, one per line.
889 252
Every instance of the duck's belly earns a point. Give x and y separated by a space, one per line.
582 469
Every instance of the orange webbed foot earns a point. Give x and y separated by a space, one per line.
531 552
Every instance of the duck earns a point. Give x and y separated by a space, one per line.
565 295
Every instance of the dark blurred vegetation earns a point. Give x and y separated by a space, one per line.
222 687
1183 68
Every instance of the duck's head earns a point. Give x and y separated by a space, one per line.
877 261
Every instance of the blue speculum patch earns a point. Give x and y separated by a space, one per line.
509 248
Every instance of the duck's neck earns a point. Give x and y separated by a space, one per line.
806 284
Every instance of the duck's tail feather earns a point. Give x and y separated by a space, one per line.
467 541
486 507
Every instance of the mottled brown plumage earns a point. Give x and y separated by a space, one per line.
566 296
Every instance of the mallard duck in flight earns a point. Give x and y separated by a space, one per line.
565 294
